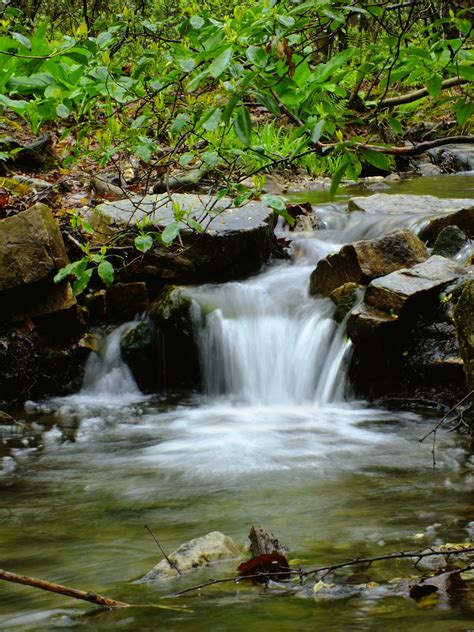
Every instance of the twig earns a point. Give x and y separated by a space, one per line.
92 597
172 563
327 569
436 427
410 97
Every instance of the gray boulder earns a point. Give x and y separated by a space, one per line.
195 554
404 203
463 219
235 242
365 260
449 242
464 321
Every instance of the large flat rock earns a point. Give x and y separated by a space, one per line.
404 203
235 242
391 293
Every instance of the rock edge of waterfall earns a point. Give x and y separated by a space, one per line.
405 299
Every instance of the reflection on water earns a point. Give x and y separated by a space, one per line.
274 440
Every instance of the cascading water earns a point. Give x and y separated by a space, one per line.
107 378
266 342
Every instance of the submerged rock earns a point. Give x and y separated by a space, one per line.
195 554
235 242
365 260
449 242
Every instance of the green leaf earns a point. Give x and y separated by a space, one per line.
22 39
463 110
317 131
62 110
192 223
170 233
196 81
433 85
286 20
211 158
63 273
179 123
466 72
106 272
186 159
337 177
243 125
375 11
197 22
221 63
143 243
82 282
376 159
256 55
78 54
395 124
187 64
211 119
278 204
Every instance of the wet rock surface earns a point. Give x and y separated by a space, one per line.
171 314
365 260
403 203
140 350
464 321
195 554
450 241
405 343
454 157
463 219
235 242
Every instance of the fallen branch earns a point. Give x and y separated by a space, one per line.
410 97
92 597
328 569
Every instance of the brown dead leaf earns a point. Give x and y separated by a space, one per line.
444 583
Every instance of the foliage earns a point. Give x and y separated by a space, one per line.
233 88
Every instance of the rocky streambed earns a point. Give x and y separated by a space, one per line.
404 298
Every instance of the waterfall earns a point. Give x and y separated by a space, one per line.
265 341
107 378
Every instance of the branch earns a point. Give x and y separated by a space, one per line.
327 569
410 97
92 597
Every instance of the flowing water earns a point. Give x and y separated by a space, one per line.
276 438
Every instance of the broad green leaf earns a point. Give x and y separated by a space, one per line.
268 101
186 159
221 63
15 106
463 110
197 80
286 20
187 64
143 243
106 272
179 123
62 110
197 22
317 131
82 282
257 56
170 233
395 124
433 85
466 72
277 203
211 158
63 273
192 223
22 39
243 125
79 55
211 119
376 159
337 177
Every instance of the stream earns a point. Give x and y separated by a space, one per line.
275 438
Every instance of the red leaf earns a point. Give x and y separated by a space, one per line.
269 566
